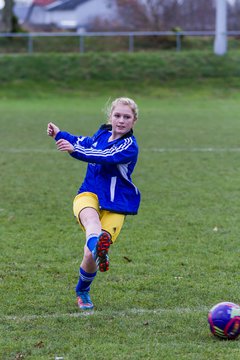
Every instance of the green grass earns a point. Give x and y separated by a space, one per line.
168 267
71 70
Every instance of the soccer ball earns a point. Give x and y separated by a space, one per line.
224 320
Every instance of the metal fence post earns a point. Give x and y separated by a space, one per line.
178 41
30 44
81 44
131 43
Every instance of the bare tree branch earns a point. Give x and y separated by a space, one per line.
7 14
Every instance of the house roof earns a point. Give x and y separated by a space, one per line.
42 2
64 4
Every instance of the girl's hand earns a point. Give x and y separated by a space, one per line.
64 145
52 130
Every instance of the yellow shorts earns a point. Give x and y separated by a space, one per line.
110 221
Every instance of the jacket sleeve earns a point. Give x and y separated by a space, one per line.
84 141
121 153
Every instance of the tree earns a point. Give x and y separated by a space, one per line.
7 16
142 15
150 15
233 15
197 15
166 15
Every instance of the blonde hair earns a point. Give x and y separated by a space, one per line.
123 101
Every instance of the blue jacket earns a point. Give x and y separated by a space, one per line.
110 165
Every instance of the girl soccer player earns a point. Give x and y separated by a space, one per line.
107 193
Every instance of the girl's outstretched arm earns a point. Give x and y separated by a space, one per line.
52 129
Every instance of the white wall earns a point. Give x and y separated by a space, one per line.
85 12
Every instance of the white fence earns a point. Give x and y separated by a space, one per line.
131 36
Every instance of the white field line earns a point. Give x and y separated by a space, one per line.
25 150
197 149
157 150
81 314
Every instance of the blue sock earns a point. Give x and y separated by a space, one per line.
91 242
85 280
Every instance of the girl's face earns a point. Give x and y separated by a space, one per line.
122 120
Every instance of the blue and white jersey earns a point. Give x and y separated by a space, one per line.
110 165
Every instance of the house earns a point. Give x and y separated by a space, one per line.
68 14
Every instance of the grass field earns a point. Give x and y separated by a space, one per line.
172 262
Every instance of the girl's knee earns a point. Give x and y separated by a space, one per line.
89 218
